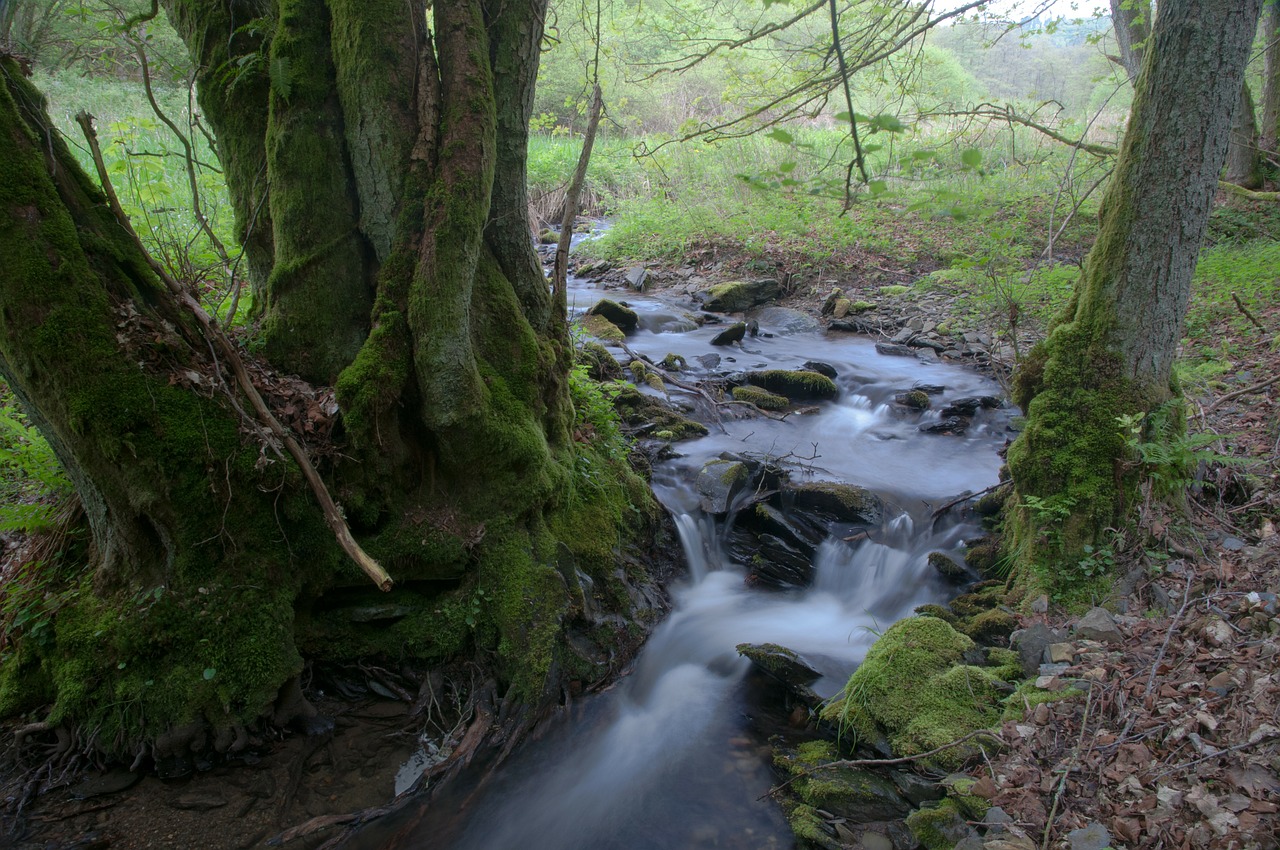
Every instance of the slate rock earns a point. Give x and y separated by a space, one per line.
739 295
820 367
780 663
719 481
890 349
1099 625
623 317
734 333
1031 643
952 426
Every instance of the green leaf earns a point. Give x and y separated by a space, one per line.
780 135
209 673
971 158
878 187
787 167
888 123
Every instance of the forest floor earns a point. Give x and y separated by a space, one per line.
1167 739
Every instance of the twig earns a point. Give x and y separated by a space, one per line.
1247 314
876 762
1179 768
332 513
966 498
1186 600
1261 385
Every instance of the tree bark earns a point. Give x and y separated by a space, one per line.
377 168
1269 130
1111 353
1244 155
1131 22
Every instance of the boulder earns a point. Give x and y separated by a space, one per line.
779 663
779 564
638 278
913 399
1031 644
947 567
719 481
794 384
836 501
820 367
734 333
739 295
623 317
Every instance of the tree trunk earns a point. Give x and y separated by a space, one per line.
377 168
1269 131
1244 156
1131 22
1111 353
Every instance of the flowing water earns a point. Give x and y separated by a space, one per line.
675 756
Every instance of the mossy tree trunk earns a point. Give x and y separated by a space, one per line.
376 161
1111 353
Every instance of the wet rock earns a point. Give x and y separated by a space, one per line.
1099 625
970 405
942 825
601 365
890 349
929 343
947 567
764 518
794 384
903 336
601 328
953 426
829 305
780 663
916 789
734 333
708 361
719 481
931 389
779 564
857 796
624 318
739 295
912 399
840 502
821 368
1031 644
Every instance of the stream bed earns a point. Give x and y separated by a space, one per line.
676 755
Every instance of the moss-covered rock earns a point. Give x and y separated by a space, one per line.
794 384
601 365
947 567
983 555
624 318
719 481
601 328
653 416
837 501
939 827
761 398
859 796
739 295
991 626
913 400
914 688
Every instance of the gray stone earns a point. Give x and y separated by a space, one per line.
890 349
903 336
718 482
1098 625
109 783
840 502
821 368
917 789
638 278
1232 544
785 320
1031 644
739 295
953 426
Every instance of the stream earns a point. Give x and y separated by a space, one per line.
676 755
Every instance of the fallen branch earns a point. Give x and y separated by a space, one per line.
1245 310
1261 385
966 498
831 765
1066 773
1247 194
332 513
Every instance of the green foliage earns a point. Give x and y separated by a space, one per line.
596 419
1167 455
32 481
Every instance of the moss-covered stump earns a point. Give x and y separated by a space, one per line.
739 295
914 689
794 384
761 398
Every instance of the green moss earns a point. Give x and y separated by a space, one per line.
795 384
991 626
762 399
912 687
938 827
601 328
807 824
